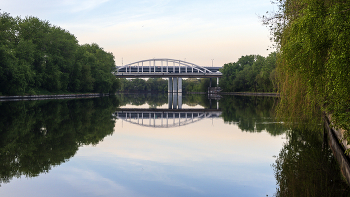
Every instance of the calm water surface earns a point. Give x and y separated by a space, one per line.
103 147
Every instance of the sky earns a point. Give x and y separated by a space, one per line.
203 32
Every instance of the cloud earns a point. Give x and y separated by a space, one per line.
81 5
98 185
198 30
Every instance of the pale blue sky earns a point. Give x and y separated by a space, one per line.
197 31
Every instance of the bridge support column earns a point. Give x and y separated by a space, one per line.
170 85
170 100
179 89
180 100
175 84
175 101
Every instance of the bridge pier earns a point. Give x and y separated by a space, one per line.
180 101
170 85
179 89
170 100
175 85
174 100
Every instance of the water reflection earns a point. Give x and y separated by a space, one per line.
36 135
306 166
173 116
227 152
159 100
165 118
175 100
251 114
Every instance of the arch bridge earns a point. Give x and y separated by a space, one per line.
165 118
172 69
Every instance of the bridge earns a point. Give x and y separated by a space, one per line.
172 69
173 116
165 118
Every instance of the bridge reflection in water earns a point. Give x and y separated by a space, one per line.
174 116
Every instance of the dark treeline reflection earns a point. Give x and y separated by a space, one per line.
36 135
251 114
307 167
156 100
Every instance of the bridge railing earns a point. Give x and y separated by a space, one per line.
164 119
162 66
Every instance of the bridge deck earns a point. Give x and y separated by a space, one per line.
165 72
166 75
147 110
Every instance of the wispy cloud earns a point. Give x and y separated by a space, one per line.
200 30
98 185
81 5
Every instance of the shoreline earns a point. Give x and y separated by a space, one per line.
338 148
92 95
250 94
53 96
240 93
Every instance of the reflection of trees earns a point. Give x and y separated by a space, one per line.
155 100
306 167
253 114
35 135
196 99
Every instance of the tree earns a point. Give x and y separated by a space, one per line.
250 73
312 39
37 56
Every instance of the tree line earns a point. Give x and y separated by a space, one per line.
157 100
141 85
37 57
313 38
251 114
161 85
37 135
251 73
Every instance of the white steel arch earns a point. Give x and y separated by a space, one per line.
162 65
164 120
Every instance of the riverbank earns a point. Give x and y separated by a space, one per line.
241 93
250 94
339 146
54 96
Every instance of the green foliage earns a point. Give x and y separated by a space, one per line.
156 100
197 85
313 70
161 85
251 73
36 135
306 166
251 114
150 85
141 99
34 55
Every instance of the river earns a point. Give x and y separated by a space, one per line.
153 145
